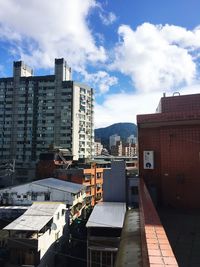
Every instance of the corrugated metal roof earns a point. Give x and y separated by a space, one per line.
60 185
107 214
35 218
13 207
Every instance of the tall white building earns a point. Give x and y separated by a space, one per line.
37 112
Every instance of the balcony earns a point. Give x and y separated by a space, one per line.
80 199
144 241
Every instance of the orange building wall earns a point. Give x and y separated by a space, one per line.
95 191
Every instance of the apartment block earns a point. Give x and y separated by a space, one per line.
117 149
38 112
113 139
98 147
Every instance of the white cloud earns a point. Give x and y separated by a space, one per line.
157 57
107 18
48 29
101 80
125 107
181 37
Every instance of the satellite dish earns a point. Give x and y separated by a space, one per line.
53 226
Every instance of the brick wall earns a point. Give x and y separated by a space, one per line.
175 179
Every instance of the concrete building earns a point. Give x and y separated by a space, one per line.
132 139
117 149
32 234
106 220
113 139
98 147
119 233
169 150
88 174
50 189
114 185
104 229
42 111
129 150
14 174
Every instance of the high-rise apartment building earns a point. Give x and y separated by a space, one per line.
37 112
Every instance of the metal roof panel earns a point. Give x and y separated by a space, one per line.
107 214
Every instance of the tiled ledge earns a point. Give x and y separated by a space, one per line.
157 251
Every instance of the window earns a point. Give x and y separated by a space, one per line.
98 175
102 258
98 197
34 196
5 195
47 196
87 177
98 186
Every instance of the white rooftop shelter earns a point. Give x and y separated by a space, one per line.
35 218
107 215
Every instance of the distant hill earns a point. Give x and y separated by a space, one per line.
123 129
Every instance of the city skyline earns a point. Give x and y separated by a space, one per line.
130 52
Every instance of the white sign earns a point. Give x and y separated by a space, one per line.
148 159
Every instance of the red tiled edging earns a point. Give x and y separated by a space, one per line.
156 250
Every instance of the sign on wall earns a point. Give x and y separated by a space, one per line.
148 159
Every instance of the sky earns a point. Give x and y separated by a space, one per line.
129 51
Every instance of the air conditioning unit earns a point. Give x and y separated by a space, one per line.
148 159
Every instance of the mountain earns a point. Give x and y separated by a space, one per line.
123 129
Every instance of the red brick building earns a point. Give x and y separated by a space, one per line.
169 151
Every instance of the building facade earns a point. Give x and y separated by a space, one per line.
88 174
98 147
33 233
91 176
132 139
169 151
42 111
50 189
129 150
104 230
113 140
117 149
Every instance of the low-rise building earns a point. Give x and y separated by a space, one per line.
89 175
104 230
32 234
50 189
